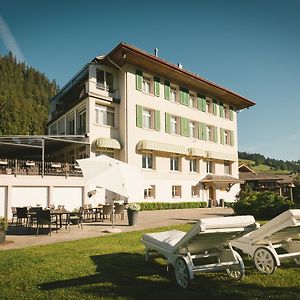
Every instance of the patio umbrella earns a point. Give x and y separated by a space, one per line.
113 175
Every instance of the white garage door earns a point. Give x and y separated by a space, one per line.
29 196
70 197
2 200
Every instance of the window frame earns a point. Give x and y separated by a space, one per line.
148 161
210 167
176 191
175 162
104 111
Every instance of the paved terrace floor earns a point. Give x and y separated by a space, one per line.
20 237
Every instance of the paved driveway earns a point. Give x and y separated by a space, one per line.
17 238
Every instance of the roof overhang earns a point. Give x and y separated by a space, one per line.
127 54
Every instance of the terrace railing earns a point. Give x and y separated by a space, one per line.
26 167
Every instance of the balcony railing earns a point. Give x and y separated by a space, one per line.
26 167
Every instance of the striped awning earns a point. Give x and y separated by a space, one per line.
102 142
197 152
162 147
221 155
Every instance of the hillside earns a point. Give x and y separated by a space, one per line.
260 163
24 95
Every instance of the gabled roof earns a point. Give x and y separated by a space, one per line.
124 53
244 168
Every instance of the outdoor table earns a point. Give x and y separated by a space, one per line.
59 213
97 210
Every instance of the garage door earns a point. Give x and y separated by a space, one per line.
29 196
70 197
2 200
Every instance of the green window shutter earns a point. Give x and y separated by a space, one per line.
138 80
222 136
184 126
201 103
221 109
202 131
184 96
156 86
231 138
157 120
139 116
215 107
167 90
215 134
231 110
167 122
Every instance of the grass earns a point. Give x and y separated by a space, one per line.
113 267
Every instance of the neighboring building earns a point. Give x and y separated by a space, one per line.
262 181
178 127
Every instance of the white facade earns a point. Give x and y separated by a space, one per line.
126 104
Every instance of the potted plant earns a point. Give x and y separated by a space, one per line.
3 228
132 213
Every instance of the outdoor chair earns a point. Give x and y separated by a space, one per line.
22 215
205 248
120 210
77 217
32 215
273 242
107 211
88 212
43 217
13 214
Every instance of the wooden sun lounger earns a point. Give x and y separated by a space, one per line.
273 242
205 248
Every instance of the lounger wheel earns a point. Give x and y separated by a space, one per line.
264 261
182 274
297 260
237 272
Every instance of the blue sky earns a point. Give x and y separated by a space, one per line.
249 46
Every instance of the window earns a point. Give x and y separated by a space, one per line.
227 168
192 101
146 85
150 192
209 167
105 115
193 165
174 163
53 129
147 161
211 133
227 137
70 123
109 153
195 191
209 106
61 126
174 125
147 119
226 111
81 121
176 191
173 94
105 80
192 129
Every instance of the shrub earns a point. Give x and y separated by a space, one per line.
171 205
262 205
3 224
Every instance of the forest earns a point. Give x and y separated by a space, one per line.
24 96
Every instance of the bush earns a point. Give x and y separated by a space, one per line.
3 224
262 205
168 205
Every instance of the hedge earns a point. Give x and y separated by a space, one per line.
172 205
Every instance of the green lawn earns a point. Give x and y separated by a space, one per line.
113 267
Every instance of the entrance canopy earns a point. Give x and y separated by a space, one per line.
35 146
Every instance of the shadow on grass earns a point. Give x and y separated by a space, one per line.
128 275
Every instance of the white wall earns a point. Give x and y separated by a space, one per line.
2 200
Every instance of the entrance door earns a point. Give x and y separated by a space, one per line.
212 196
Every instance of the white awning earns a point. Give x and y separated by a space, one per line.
102 142
162 147
221 155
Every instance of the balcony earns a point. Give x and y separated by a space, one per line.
25 167
108 92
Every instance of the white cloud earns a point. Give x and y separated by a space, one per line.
10 41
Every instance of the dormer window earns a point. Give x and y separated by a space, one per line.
105 80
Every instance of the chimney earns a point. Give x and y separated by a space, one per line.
179 65
156 52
